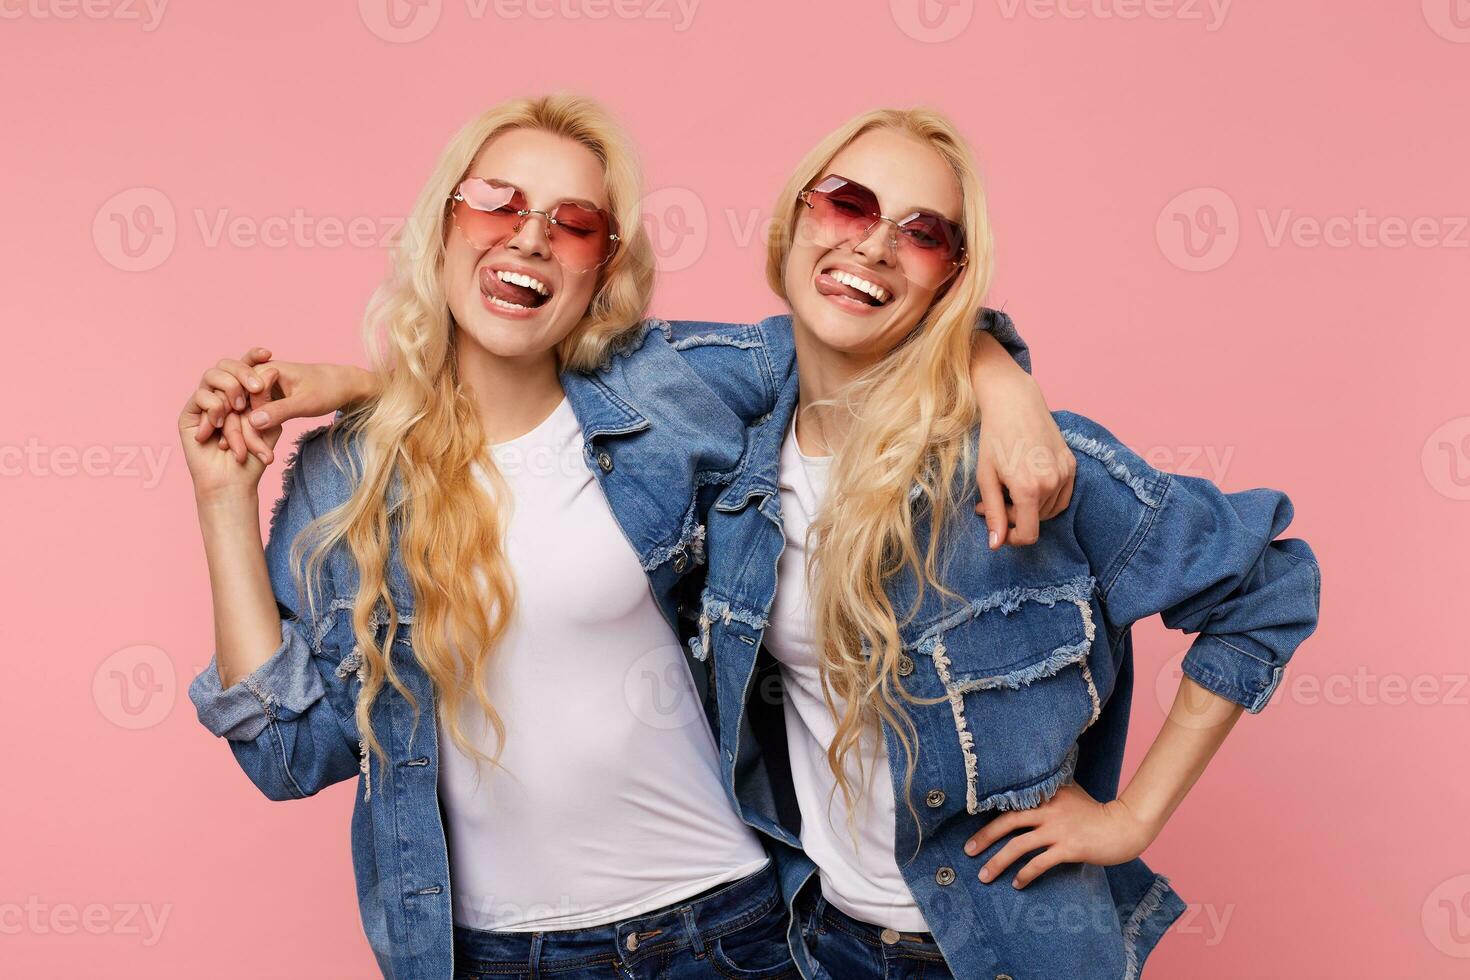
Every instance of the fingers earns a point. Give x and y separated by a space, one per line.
992 504
1059 487
1063 498
1016 848
234 436
271 414
1039 865
261 447
256 355
229 386
1004 824
212 411
244 374
1027 513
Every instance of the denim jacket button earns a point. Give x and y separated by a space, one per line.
944 876
934 798
905 666
1002 976
681 562
604 460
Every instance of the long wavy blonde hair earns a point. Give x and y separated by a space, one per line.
422 431
908 420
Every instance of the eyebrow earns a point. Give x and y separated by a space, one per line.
501 181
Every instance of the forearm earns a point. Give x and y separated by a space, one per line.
363 384
1196 727
990 362
247 625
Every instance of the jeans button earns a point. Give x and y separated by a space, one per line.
631 942
934 798
905 666
944 876
889 936
604 460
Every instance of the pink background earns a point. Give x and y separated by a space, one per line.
1328 841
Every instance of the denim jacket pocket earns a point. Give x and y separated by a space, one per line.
1014 674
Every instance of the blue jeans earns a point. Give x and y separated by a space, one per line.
845 948
733 932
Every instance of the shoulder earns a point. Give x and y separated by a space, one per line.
743 364
681 335
1106 464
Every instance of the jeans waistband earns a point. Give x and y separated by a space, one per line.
920 945
691 924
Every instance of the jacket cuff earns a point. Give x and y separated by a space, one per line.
1231 672
281 688
1000 326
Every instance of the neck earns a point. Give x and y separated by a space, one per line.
823 373
513 394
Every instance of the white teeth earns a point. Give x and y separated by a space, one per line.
509 306
871 288
518 279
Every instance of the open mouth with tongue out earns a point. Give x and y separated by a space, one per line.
513 292
852 291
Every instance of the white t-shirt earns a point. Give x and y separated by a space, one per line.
861 876
610 802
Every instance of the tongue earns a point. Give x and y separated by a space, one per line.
828 286
510 292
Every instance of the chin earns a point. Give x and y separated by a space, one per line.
508 339
840 331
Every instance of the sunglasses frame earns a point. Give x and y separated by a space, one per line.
549 215
955 264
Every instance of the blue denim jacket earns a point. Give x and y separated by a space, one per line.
664 423
1030 672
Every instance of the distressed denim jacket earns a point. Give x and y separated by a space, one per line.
664 423
1028 675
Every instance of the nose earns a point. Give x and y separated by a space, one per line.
531 238
879 244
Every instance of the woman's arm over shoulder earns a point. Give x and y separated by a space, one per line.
1209 562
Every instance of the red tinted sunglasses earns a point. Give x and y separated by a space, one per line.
489 212
929 247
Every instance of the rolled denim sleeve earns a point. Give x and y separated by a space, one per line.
282 729
283 687
1207 562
